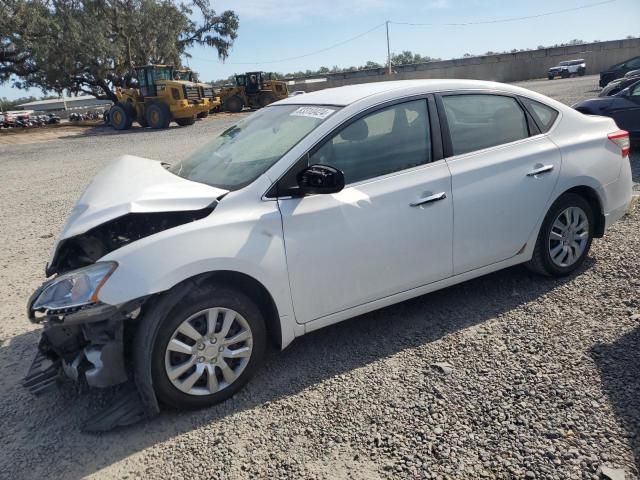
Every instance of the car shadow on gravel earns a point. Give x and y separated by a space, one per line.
46 429
619 365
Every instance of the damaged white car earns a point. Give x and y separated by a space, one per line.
174 279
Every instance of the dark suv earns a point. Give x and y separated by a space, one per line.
619 70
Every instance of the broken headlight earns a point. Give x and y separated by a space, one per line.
75 289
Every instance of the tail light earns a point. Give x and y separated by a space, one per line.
621 139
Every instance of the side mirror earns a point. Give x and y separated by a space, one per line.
318 179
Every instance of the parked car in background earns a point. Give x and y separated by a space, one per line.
623 107
53 119
315 209
620 84
567 68
619 70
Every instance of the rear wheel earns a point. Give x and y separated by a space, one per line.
233 104
207 348
119 117
157 115
184 122
565 237
550 77
203 114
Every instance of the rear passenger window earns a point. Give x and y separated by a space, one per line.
543 115
483 121
386 141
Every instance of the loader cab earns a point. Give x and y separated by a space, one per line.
148 76
253 82
185 75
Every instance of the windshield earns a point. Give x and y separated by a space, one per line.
162 73
248 149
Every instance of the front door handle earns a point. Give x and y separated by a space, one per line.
539 170
431 198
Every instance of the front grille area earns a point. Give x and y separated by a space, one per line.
207 92
191 92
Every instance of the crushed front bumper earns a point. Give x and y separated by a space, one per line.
88 346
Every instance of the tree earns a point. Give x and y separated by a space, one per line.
407 57
84 45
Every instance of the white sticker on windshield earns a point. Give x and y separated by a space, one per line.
314 112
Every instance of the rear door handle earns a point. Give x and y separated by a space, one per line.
431 198
539 170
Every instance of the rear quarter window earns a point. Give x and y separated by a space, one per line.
543 115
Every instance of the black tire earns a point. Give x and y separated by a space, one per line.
265 99
581 72
550 77
565 74
185 122
233 104
157 115
197 300
119 117
541 261
203 114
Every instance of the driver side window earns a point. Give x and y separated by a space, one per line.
386 141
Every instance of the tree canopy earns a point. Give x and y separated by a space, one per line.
82 45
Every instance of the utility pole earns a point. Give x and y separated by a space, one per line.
388 49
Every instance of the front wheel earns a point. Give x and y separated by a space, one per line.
184 122
203 114
233 104
565 237
119 117
157 115
207 348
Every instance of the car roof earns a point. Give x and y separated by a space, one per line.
343 96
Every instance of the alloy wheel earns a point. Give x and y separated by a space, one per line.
568 237
208 351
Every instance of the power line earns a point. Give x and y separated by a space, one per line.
306 54
386 24
504 20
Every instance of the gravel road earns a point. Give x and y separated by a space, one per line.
542 381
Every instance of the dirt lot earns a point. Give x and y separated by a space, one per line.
545 380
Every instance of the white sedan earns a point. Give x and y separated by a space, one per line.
313 210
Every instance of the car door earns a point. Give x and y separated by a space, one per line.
625 110
502 171
388 231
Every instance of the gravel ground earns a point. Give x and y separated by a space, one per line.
542 381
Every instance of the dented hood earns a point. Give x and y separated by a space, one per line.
135 185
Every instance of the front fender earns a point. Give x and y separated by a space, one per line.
233 238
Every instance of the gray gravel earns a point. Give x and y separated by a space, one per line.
506 376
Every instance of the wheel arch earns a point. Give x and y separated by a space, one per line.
247 285
591 196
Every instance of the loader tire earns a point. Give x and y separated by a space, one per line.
233 104
119 117
184 122
265 99
157 115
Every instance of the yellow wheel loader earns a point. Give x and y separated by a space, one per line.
253 90
153 98
206 91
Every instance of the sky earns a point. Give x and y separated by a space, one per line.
272 31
